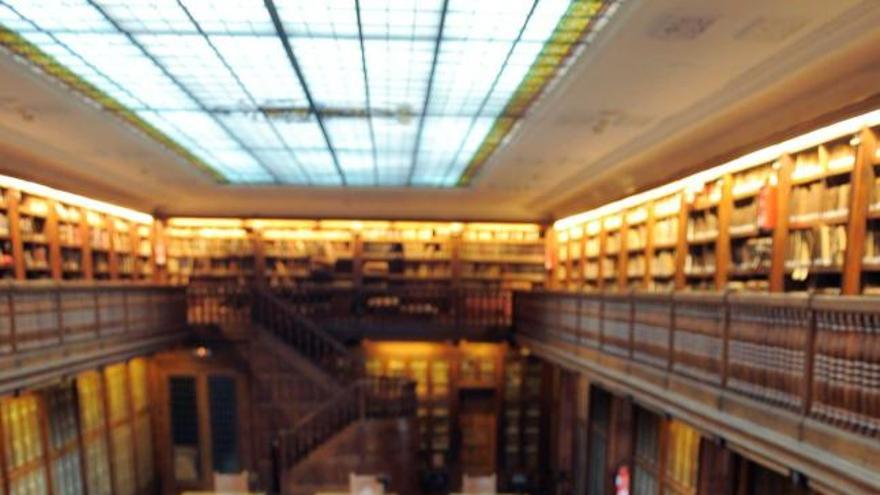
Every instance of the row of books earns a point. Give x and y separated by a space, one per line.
702 225
501 251
665 232
872 246
818 199
205 247
700 262
822 246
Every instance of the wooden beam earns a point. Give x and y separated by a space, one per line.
722 242
650 223
862 186
12 201
681 247
780 231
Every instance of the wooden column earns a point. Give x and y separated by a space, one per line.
134 239
88 266
856 231
650 223
53 240
12 197
623 255
259 249
581 279
581 445
357 261
717 469
620 438
159 254
455 260
681 247
112 257
722 242
569 262
600 282
780 232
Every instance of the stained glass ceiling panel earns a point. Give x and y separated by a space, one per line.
390 93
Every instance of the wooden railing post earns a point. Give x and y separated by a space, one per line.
632 323
809 360
725 339
10 302
670 346
59 314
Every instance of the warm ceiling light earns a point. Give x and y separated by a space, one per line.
205 222
74 199
755 158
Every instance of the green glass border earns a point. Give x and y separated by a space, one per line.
21 47
571 28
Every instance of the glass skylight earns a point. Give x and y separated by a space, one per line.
389 93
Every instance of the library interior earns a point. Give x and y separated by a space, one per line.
425 247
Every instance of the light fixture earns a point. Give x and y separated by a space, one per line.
74 199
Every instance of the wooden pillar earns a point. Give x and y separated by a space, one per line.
780 231
620 438
159 256
857 225
12 200
134 240
259 249
722 242
112 256
53 240
88 266
581 429
600 282
717 469
681 247
623 254
650 223
581 279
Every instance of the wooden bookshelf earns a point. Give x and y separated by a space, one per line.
702 236
635 246
818 211
7 259
807 221
663 242
610 252
395 253
501 255
208 252
32 241
591 257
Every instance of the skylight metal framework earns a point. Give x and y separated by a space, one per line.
311 92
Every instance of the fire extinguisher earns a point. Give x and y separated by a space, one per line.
621 481
767 206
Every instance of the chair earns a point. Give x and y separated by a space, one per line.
364 485
479 484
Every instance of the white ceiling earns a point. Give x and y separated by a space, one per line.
669 87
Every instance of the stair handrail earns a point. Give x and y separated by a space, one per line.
305 336
364 398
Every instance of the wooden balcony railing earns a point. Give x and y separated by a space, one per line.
788 377
54 328
394 312
817 356
375 313
374 397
